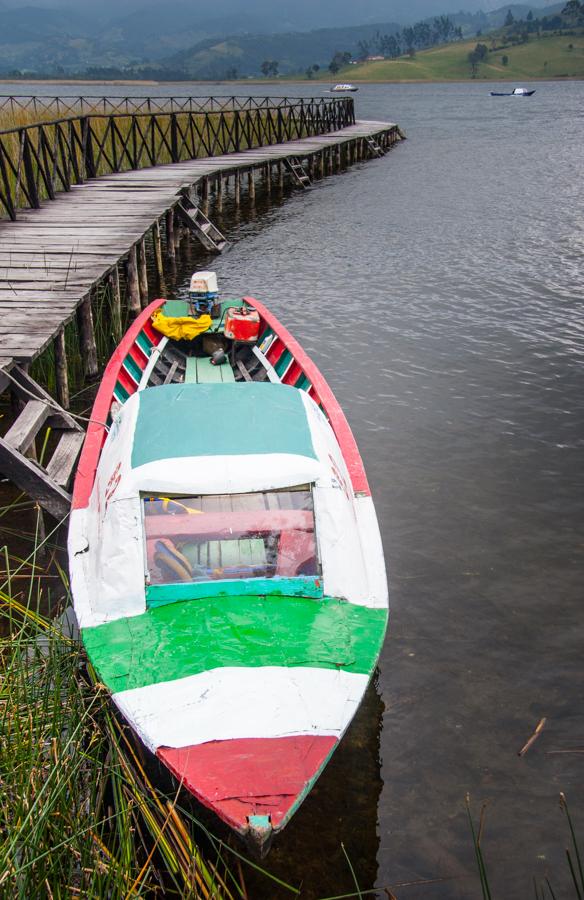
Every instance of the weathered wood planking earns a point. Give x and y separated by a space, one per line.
52 257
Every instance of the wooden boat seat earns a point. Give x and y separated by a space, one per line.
200 370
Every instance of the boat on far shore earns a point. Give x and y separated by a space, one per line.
516 92
341 88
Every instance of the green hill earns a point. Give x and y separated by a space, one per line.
544 57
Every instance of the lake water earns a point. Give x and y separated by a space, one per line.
440 290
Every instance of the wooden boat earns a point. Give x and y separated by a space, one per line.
226 563
516 92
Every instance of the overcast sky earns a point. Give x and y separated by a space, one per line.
226 16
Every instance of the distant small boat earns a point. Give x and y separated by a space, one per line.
340 88
516 92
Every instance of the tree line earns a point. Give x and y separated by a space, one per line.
518 31
420 36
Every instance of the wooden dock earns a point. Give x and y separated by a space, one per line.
52 260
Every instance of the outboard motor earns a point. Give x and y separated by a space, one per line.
204 295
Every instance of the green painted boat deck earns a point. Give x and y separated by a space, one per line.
182 639
244 418
200 370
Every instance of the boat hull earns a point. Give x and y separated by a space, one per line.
242 689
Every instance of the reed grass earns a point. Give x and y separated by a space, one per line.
79 814
120 142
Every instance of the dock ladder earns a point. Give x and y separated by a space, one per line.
207 233
374 148
298 172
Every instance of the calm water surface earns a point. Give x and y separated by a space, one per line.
440 290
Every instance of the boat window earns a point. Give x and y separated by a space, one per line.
230 536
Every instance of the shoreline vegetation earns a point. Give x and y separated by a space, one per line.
81 810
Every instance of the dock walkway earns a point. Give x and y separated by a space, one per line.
51 258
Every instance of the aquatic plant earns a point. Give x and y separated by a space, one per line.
79 814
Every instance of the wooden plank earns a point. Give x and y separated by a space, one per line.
28 424
62 463
31 479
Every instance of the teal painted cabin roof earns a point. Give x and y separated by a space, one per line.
178 420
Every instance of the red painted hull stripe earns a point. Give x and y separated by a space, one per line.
275 352
293 374
126 380
96 433
322 395
251 776
138 356
154 336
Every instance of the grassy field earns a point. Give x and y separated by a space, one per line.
546 57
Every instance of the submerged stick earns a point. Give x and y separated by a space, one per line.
533 737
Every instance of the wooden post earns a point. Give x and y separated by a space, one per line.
87 337
268 177
205 203
339 157
142 273
251 185
219 193
281 175
170 234
61 374
116 304
311 167
178 231
133 286
237 177
331 165
158 257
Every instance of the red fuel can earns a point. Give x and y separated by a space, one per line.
242 324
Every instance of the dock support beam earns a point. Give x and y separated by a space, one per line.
170 234
115 305
158 256
142 273
61 374
133 286
87 335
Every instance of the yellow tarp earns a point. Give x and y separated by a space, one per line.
180 327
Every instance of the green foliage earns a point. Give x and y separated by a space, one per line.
339 60
476 56
269 68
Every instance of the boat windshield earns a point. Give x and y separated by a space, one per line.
214 537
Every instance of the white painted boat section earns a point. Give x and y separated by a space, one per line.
151 364
234 702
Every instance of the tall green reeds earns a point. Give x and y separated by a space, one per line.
79 815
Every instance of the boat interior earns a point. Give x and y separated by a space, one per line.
209 358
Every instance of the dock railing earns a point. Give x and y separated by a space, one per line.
39 160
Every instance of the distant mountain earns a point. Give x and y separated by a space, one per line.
294 51
209 40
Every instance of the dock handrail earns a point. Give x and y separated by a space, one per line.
37 161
